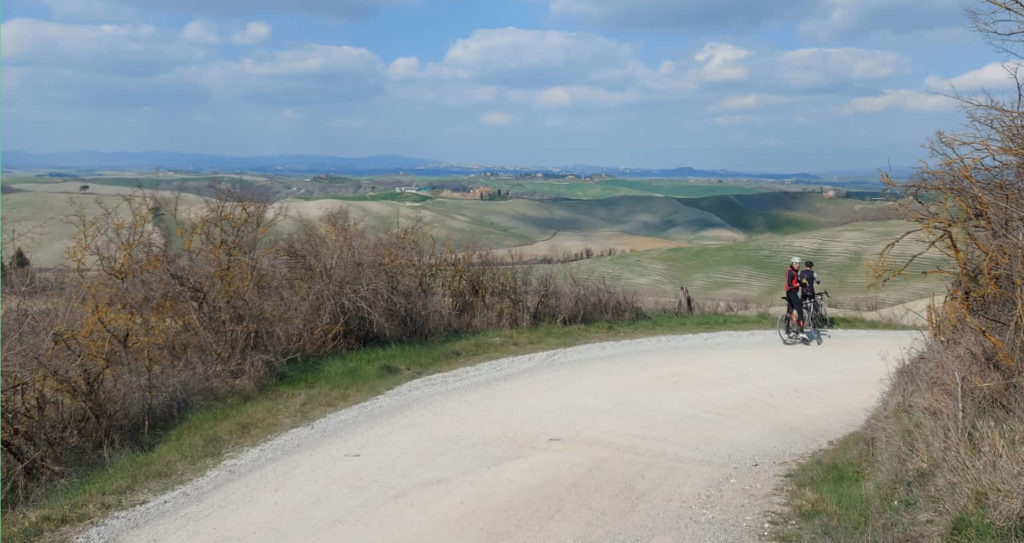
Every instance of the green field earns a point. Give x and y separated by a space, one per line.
376 197
754 270
332 185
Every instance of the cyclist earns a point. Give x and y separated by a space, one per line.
793 293
809 278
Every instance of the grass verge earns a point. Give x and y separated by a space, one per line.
834 496
302 393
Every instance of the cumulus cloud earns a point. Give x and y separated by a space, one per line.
315 74
754 101
554 97
314 59
993 76
404 68
496 118
904 100
688 15
822 67
89 9
92 47
834 19
721 62
582 95
520 57
253 33
201 33
733 120
346 9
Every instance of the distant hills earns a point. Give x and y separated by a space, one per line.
374 165
198 162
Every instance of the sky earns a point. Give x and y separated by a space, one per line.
751 85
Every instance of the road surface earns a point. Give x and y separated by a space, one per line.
679 438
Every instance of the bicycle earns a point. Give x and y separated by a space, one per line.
820 310
789 330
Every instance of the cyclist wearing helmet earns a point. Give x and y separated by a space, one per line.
808 278
793 292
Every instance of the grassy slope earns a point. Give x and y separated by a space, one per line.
682 188
832 496
43 217
377 197
753 270
785 213
303 393
608 188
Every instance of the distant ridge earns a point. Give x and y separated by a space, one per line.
94 160
307 164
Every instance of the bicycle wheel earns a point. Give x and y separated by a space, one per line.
785 330
824 320
815 330
783 327
824 316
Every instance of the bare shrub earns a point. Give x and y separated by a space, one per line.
953 423
164 308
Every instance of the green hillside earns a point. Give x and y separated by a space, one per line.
753 270
787 212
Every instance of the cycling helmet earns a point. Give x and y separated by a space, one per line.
809 264
795 260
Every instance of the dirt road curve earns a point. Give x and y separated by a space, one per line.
665 439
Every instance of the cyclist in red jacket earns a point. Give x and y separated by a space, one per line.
793 292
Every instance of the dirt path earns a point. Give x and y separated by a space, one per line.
666 439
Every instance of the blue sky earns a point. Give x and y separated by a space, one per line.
801 85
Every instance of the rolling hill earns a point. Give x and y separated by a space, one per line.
723 246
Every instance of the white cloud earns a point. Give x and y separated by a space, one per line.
530 57
340 9
733 120
903 100
682 16
404 68
95 10
316 73
754 101
822 67
496 118
200 33
721 62
834 19
314 59
580 95
554 97
254 32
993 76
92 47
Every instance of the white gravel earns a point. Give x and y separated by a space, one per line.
675 438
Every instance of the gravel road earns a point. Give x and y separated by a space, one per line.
676 438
